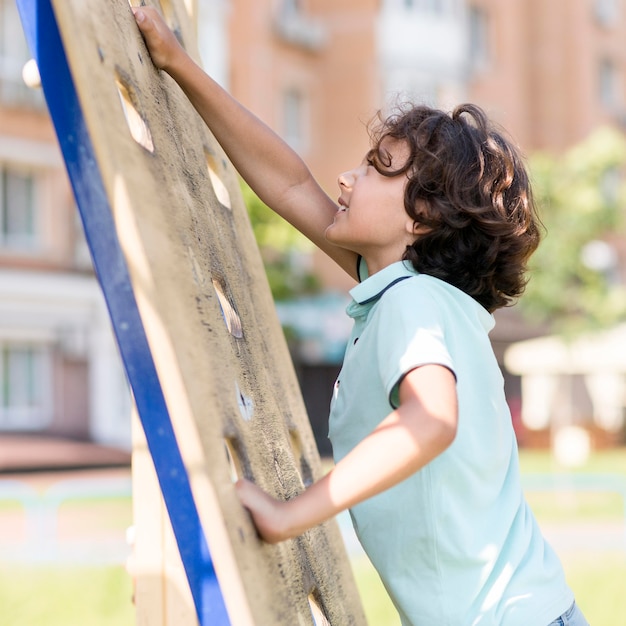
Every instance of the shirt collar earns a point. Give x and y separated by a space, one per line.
373 287
366 293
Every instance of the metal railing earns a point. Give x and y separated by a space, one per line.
37 516
577 484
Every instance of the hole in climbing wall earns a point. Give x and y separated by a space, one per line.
136 124
319 619
230 315
231 446
219 187
245 403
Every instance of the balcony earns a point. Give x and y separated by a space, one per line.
424 40
296 28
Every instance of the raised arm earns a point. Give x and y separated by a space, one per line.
272 169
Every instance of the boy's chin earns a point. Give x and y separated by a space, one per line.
331 236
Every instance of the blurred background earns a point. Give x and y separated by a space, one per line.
553 74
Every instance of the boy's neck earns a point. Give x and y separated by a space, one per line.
376 264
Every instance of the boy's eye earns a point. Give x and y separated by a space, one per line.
379 159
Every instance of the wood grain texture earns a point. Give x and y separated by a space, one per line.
213 333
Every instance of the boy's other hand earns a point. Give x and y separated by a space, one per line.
160 40
268 514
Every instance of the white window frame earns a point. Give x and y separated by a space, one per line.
291 7
609 84
478 37
32 408
294 118
607 12
293 24
428 7
28 240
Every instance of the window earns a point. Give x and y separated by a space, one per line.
25 392
437 7
478 37
13 55
606 12
432 6
293 119
294 26
18 228
292 7
608 84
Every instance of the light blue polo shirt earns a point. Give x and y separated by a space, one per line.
455 544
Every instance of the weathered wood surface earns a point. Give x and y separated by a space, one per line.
212 330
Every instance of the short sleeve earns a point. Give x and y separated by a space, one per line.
411 333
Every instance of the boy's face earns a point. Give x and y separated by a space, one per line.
371 219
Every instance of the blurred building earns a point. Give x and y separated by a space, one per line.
316 71
59 368
551 72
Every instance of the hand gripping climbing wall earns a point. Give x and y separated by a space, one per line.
210 372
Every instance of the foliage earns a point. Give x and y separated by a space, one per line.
284 249
581 199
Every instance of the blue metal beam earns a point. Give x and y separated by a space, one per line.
46 45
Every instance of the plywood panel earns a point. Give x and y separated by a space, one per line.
196 326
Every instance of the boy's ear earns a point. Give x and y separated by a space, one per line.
417 228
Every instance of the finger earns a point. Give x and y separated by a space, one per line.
241 484
244 491
143 17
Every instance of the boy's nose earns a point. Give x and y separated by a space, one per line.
346 179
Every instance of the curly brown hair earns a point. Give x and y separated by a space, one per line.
469 190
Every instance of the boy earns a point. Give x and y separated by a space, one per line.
437 222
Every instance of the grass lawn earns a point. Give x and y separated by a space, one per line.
101 596
598 578
599 582
599 462
60 596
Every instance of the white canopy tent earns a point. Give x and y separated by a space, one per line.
549 365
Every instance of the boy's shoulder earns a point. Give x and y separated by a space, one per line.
400 284
423 291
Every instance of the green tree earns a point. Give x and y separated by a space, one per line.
581 197
283 249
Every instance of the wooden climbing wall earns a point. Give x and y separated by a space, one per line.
215 391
